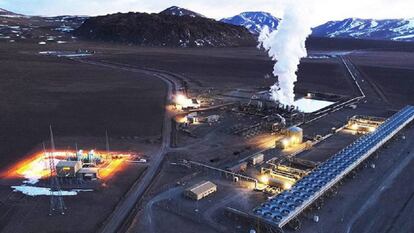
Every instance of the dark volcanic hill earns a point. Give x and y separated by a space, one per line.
175 10
164 30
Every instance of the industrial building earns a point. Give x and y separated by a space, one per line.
240 167
89 173
286 206
200 190
256 159
182 102
364 124
282 177
293 136
213 118
68 168
193 118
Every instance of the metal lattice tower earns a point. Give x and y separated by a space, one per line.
56 200
107 141
107 144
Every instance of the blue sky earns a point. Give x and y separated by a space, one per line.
326 9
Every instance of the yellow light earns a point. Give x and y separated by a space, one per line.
371 129
353 127
264 179
287 186
286 142
181 119
294 140
180 99
37 165
113 167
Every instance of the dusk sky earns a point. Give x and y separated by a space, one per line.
327 9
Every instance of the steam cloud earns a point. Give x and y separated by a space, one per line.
286 45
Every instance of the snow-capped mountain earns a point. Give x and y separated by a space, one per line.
3 11
178 11
387 29
6 13
254 21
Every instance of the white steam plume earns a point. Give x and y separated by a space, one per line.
286 45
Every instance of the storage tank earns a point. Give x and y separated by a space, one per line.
295 134
283 143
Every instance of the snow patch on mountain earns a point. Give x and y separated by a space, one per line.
387 29
254 21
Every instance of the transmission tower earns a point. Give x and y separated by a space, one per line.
56 199
107 141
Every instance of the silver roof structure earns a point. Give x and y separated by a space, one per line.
64 163
284 207
201 187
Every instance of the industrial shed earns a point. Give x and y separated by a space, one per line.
256 159
88 173
200 190
240 167
68 168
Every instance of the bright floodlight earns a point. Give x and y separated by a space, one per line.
264 179
180 99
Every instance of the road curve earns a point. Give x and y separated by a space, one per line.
126 205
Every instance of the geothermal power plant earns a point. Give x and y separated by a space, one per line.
178 122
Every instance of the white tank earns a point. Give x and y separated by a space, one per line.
295 134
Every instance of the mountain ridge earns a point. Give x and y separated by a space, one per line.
164 30
254 21
357 28
370 29
179 11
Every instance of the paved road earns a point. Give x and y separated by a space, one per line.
149 207
126 205
367 87
354 75
356 78
368 91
